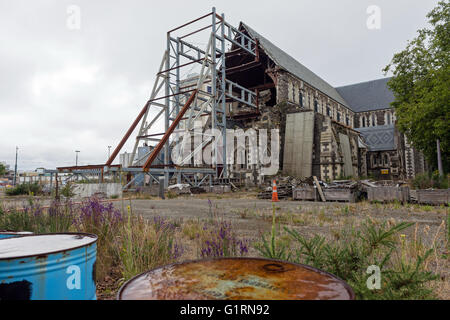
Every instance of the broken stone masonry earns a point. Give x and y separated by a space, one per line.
322 133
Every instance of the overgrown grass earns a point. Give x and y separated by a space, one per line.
127 243
427 180
68 190
145 245
58 218
215 238
272 248
25 189
403 264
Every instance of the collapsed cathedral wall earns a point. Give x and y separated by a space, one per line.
290 89
327 151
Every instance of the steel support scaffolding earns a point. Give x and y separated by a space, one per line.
173 104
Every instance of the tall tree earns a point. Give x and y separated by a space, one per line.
421 86
2 170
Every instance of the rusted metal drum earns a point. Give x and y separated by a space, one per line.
11 234
236 279
48 267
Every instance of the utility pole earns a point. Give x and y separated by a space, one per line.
109 151
76 158
76 162
439 159
15 168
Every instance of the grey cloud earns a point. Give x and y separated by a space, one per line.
62 90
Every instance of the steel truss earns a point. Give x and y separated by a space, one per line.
171 102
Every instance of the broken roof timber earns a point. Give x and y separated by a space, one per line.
291 65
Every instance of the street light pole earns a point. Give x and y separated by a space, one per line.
76 158
76 162
15 168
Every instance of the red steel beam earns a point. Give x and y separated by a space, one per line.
172 95
181 66
127 135
166 136
190 22
88 167
134 125
197 31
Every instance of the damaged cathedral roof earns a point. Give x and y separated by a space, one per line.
360 97
285 61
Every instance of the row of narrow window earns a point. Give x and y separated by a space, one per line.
365 123
316 109
378 160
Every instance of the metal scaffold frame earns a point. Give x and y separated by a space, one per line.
174 103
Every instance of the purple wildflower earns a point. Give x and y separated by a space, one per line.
221 241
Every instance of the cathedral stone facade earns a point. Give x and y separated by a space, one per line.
327 132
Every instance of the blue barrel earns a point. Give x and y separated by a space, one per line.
10 234
48 267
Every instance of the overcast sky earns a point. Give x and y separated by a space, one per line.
63 90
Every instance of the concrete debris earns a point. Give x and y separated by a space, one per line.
180 189
307 189
384 183
367 183
342 184
179 186
284 192
197 190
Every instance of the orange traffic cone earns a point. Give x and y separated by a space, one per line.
274 192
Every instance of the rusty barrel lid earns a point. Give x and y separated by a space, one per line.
35 245
236 279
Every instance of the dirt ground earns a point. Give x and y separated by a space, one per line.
251 218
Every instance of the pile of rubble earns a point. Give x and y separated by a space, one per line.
180 189
285 185
311 189
284 192
341 184
382 183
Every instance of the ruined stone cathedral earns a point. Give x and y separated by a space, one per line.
327 132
